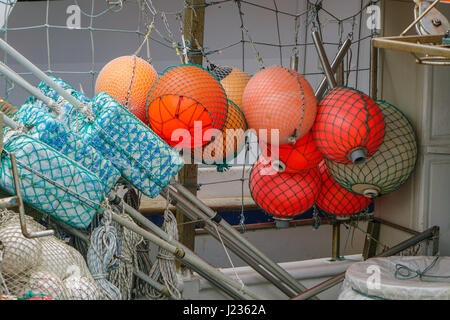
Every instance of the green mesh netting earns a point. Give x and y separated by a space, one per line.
50 181
389 167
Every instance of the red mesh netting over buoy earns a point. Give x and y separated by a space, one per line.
278 98
335 200
220 151
128 80
181 96
233 81
296 157
348 124
283 195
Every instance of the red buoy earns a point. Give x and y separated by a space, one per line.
294 158
182 96
283 195
280 99
335 200
349 126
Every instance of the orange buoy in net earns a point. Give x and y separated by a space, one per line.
349 126
280 99
233 81
335 200
296 157
128 80
185 97
232 140
283 195
7 108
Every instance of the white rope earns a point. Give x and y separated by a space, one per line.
164 270
100 255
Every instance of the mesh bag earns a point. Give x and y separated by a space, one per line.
278 98
51 182
226 147
283 195
335 200
233 81
390 166
7 108
128 80
42 267
142 158
181 96
45 127
294 158
349 124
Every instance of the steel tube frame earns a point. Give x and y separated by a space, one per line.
241 241
324 60
194 214
427 234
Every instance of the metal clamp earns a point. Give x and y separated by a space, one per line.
17 201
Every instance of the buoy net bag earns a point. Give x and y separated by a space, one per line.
142 157
398 278
390 166
277 98
185 97
42 267
44 126
283 195
50 181
226 146
349 126
127 79
335 200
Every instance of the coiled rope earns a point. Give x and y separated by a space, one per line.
102 253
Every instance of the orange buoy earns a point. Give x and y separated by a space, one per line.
233 81
181 96
7 108
283 195
349 126
128 80
293 158
280 99
335 200
222 150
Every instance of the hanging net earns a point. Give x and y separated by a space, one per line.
280 99
50 181
335 200
390 166
142 158
233 81
46 127
182 96
294 158
128 80
283 195
349 126
42 267
226 147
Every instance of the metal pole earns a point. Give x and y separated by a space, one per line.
323 59
241 241
334 66
335 254
195 262
373 71
188 258
429 233
41 75
194 214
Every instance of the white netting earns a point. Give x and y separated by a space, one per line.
42 266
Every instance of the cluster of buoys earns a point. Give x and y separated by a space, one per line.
337 153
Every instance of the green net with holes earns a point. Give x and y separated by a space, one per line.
389 167
51 182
